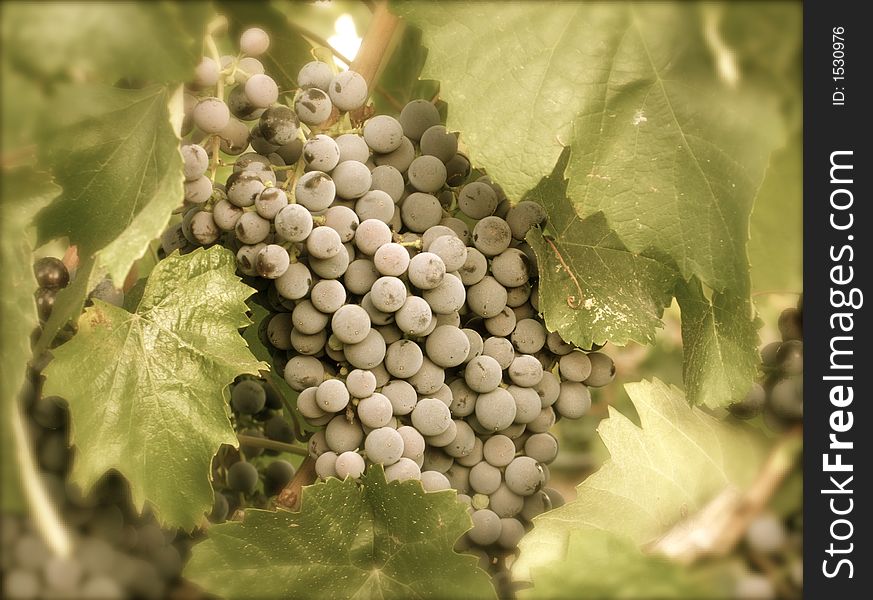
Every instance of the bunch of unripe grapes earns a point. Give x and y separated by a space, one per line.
116 553
403 294
773 551
243 479
779 393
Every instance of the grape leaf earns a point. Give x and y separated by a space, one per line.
22 192
399 82
660 142
155 41
673 464
288 50
117 157
147 400
720 344
619 569
382 540
592 288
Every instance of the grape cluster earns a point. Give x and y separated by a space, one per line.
116 552
773 551
250 476
403 296
779 394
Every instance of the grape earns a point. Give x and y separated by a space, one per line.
404 469
510 268
348 91
226 215
401 395
457 170
278 429
484 478
324 242
574 400
476 343
375 204
602 370
272 261
458 476
420 211
524 476
428 379
368 353
248 397
525 371
261 90
198 191
325 465
557 345
495 410
254 41
543 422
206 73
791 324
501 324
211 115
463 399
790 357
293 223
315 74
350 324
445 438
434 481
242 477
389 180
477 200
377 317
328 296
252 228
427 174
349 464
523 216
486 527
786 398
247 258
277 475
343 220
371 235
474 269
527 403
234 138
500 349
318 444
383 134
754 587
417 117
384 446
542 447
279 125
451 250
307 319
315 191
321 153
431 417
463 442
391 260
195 161
766 534
426 271
308 405
400 158
487 298
361 383
248 66
313 106
340 434
403 359
436 141
244 188
291 152
447 297
447 346
352 179
259 144
307 344
375 411
239 106
491 236
331 395
483 374
548 389
295 282
352 147
751 405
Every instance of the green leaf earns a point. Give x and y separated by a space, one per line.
602 565
288 50
377 541
776 245
660 142
399 82
117 157
155 41
720 341
147 401
22 192
592 288
671 466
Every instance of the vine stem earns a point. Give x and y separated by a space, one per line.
717 528
258 442
376 45
289 497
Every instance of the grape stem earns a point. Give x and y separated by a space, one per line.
376 48
717 528
258 442
289 497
